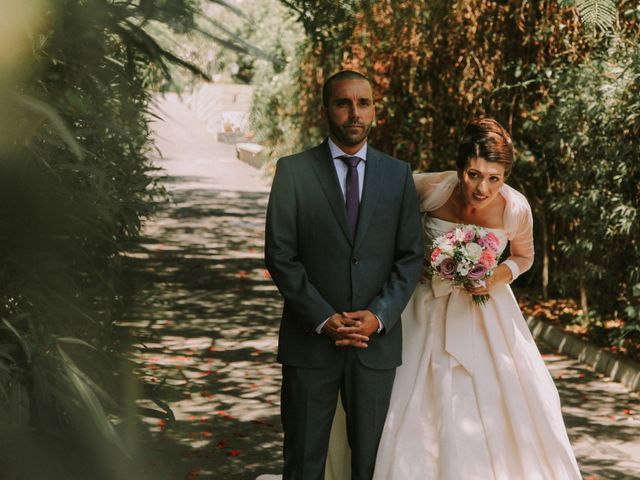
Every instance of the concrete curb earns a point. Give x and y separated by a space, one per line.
624 371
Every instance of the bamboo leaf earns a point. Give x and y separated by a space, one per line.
22 341
90 401
56 121
75 341
235 9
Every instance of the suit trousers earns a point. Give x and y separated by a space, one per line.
308 404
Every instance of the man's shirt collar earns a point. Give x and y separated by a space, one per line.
337 151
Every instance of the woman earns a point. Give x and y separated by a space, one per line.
473 398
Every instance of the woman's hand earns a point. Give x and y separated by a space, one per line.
501 275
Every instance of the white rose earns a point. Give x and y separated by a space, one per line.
439 260
463 269
447 249
473 251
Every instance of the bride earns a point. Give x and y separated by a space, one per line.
473 398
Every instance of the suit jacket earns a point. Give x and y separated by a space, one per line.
320 269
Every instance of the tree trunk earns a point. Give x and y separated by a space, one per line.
583 299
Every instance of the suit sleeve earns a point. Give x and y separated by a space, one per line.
408 258
281 254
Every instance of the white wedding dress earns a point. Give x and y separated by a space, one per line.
473 399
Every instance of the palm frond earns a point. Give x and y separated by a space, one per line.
594 13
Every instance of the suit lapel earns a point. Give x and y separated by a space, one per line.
373 181
328 178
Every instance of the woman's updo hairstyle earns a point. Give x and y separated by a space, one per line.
485 138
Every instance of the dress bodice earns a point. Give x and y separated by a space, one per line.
434 227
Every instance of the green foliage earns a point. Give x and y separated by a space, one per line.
586 138
75 183
277 84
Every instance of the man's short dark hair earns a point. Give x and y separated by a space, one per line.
338 77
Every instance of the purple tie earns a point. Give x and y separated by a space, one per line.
352 193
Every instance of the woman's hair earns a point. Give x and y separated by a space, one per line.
485 138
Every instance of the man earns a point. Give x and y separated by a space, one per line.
344 246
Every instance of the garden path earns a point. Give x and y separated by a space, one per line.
207 316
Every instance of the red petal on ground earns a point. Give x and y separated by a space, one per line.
627 411
192 474
234 453
221 445
266 274
242 274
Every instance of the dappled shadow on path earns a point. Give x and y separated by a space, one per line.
601 416
205 318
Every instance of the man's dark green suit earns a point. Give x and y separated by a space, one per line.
320 270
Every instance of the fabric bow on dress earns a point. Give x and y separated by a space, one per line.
459 323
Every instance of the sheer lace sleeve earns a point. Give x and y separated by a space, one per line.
518 223
434 189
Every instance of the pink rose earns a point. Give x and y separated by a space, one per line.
468 236
448 268
477 272
435 253
492 241
488 259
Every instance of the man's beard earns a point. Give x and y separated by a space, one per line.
339 131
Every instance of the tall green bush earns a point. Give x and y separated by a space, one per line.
584 145
75 182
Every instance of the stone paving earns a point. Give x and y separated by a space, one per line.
206 321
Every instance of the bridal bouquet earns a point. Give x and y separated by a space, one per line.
465 257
